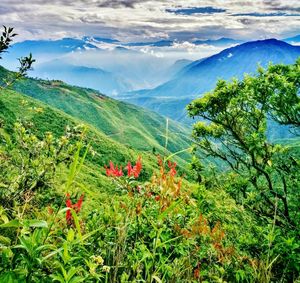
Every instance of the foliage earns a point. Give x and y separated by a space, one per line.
27 164
127 124
61 220
262 175
25 62
149 231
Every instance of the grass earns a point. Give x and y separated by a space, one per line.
132 126
42 119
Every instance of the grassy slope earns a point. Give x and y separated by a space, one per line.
15 106
130 125
118 131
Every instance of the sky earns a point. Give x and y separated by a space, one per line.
151 20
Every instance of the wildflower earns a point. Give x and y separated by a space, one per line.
68 213
129 169
98 259
197 273
106 268
93 270
159 160
113 171
139 189
135 170
172 167
149 195
76 206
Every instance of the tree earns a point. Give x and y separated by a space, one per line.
281 86
235 117
25 62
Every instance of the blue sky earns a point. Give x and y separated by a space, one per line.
149 20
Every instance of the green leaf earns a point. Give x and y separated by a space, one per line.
11 224
70 236
38 223
5 240
157 279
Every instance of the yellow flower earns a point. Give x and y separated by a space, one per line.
98 259
93 270
106 268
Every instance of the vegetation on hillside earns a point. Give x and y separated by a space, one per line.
62 221
122 122
263 176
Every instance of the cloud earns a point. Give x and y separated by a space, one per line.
195 10
142 20
278 14
287 8
118 3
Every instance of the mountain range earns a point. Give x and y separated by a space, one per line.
96 78
144 76
201 76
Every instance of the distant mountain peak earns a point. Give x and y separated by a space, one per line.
201 76
266 41
98 39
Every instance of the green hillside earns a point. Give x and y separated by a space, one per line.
43 118
125 123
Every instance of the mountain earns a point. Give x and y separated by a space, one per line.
178 66
49 46
167 43
96 78
45 50
43 118
95 39
160 43
134 127
105 64
113 67
202 75
218 42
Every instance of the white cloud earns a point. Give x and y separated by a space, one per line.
130 20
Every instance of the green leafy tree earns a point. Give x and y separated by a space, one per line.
25 62
234 129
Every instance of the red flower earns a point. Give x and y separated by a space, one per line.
113 170
172 167
129 169
135 170
76 206
159 160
